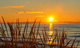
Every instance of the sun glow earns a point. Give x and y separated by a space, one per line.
50 19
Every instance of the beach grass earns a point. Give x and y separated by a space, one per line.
30 41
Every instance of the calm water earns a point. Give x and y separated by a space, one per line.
73 30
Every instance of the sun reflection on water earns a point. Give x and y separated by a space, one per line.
51 38
50 29
51 33
50 26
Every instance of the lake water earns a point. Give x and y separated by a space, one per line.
73 30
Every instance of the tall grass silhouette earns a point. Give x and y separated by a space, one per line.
22 39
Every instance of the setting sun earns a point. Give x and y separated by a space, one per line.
50 19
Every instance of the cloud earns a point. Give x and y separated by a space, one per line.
6 7
27 2
26 12
39 16
13 7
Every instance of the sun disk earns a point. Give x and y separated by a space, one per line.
50 19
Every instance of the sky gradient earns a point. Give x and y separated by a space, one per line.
60 10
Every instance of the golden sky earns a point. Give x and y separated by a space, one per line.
60 10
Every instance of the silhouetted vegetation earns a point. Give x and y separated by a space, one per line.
23 40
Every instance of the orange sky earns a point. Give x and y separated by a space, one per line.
60 10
